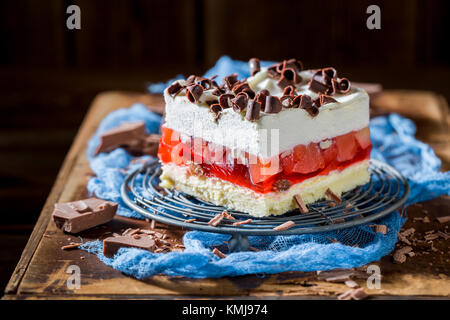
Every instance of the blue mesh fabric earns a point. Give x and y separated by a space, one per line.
393 142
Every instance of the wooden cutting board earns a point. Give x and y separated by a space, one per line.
42 270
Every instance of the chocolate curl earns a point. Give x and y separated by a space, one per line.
296 101
254 65
307 104
204 82
239 102
273 73
283 82
253 110
249 92
272 105
324 99
194 92
328 74
261 98
344 85
240 86
295 64
218 91
317 86
289 91
286 101
174 89
230 80
190 80
216 109
225 101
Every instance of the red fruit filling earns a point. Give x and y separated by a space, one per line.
296 165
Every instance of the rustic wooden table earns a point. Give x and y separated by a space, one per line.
41 271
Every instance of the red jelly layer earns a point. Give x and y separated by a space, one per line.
300 163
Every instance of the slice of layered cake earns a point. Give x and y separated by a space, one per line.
262 145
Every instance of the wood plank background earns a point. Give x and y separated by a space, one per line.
49 74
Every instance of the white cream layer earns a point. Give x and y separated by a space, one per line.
226 194
273 133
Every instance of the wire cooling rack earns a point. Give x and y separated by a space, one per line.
386 192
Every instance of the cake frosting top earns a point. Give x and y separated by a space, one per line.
267 91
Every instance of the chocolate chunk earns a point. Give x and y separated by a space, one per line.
287 225
77 216
281 185
127 134
230 80
174 89
140 241
254 65
272 105
194 92
239 102
225 101
253 110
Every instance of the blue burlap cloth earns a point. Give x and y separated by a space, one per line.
393 142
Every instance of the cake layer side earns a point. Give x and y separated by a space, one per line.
226 194
272 133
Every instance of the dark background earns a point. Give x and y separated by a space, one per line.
49 74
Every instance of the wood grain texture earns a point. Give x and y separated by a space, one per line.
41 272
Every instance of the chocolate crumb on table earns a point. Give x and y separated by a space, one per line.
443 219
72 245
400 254
287 225
77 216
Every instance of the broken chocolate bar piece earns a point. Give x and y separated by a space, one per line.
135 239
77 216
129 134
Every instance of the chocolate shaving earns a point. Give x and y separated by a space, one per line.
281 185
216 220
218 91
225 101
289 91
228 216
344 85
272 72
287 101
287 225
301 204
239 102
70 246
379 228
174 89
239 223
324 99
190 220
240 86
253 110
261 98
254 65
331 195
283 82
400 254
218 253
190 80
230 80
194 92
216 109
272 105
